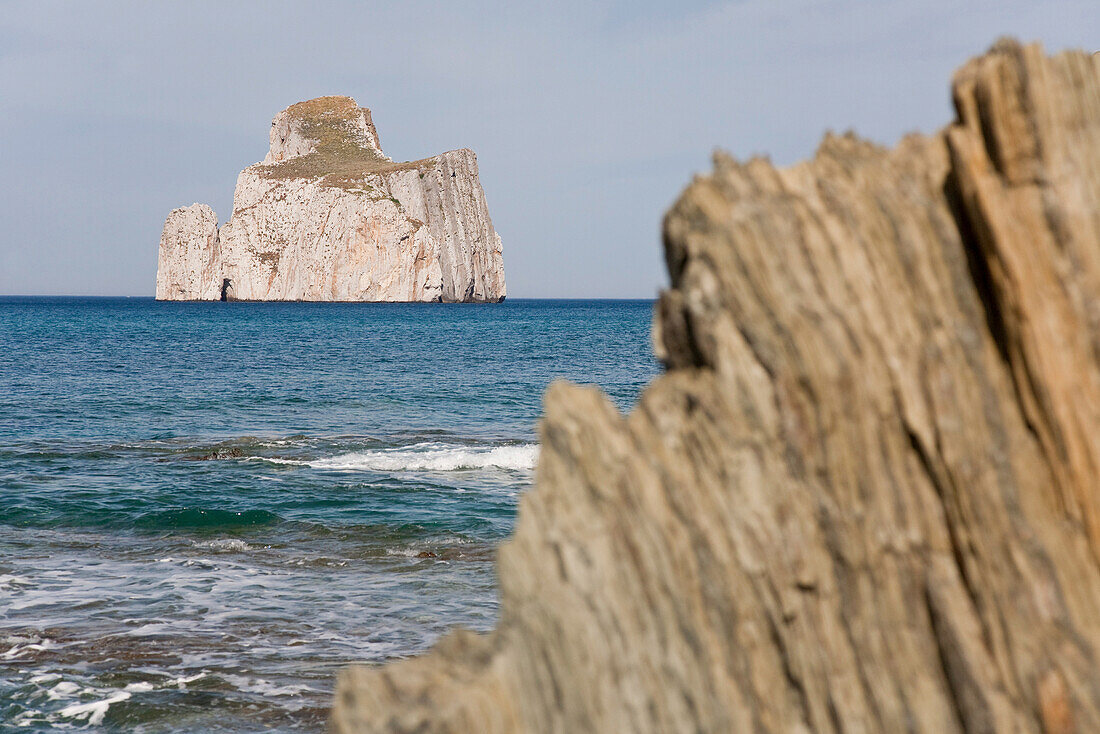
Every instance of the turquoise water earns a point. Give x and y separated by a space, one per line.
207 509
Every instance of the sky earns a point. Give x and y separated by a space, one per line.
588 118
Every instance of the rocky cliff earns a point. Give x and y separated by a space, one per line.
327 216
864 496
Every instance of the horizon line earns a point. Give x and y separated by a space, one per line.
507 299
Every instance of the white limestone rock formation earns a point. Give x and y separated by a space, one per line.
187 253
327 216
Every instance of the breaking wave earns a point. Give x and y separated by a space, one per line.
427 457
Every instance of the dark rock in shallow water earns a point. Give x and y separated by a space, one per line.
216 454
864 497
221 454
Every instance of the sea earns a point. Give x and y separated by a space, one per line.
207 509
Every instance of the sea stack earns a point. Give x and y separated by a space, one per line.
327 216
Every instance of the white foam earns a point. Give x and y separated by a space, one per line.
149 628
94 711
433 457
18 650
45 678
226 544
184 680
64 689
7 581
261 686
20 639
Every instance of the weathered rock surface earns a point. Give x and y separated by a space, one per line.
864 496
188 251
328 217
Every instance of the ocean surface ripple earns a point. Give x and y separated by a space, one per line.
207 509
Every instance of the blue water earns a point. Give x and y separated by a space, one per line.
207 509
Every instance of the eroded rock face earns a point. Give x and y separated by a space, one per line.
863 497
328 217
188 254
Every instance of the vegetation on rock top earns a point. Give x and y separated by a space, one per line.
343 155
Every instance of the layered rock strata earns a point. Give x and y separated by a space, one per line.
327 216
864 496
